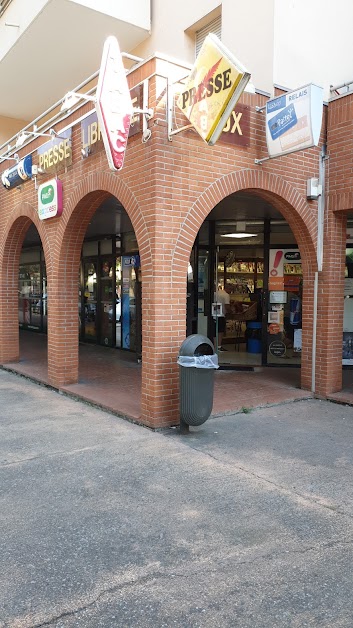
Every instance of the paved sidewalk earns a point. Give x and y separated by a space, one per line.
247 521
111 379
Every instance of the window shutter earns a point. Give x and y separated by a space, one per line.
212 27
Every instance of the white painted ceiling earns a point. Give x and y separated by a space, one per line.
60 49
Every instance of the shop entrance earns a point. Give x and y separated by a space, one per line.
248 287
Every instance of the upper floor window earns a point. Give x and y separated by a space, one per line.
212 27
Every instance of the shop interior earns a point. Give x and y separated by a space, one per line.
108 283
245 284
244 248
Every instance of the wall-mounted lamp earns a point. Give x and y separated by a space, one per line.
72 98
313 189
25 135
5 158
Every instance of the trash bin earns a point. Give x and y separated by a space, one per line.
253 334
197 363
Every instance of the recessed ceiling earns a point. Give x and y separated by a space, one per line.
243 206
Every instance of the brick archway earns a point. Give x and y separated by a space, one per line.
79 209
14 233
294 208
273 189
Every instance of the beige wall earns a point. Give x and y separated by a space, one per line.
247 30
9 127
313 43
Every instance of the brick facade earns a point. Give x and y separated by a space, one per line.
168 188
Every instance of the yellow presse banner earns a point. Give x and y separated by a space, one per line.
209 88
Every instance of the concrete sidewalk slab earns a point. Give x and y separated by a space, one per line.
247 521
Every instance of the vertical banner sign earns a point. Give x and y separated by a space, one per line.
293 121
113 106
214 86
50 199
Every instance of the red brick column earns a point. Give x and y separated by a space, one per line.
330 307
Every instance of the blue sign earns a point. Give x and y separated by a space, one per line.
132 260
16 175
282 121
277 103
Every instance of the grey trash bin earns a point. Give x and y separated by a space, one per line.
197 363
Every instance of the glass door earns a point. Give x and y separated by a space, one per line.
238 302
203 292
89 320
30 297
106 303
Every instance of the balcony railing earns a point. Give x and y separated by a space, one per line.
3 6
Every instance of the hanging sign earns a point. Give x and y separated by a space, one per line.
14 176
113 106
293 121
91 135
214 86
50 199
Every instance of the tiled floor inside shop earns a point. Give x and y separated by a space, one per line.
112 379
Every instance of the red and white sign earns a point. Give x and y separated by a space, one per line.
113 106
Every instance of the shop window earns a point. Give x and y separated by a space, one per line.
129 242
89 249
30 256
105 246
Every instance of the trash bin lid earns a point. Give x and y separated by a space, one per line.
196 345
254 325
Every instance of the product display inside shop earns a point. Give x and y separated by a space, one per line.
250 295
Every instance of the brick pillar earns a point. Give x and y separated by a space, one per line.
163 331
330 307
9 331
63 326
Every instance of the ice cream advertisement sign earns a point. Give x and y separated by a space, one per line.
293 121
50 199
214 86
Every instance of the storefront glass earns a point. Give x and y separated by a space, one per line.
89 322
284 319
32 291
347 341
256 267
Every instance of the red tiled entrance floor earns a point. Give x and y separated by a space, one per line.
112 379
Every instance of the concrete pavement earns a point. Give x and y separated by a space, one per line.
246 521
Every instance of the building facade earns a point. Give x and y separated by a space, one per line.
134 258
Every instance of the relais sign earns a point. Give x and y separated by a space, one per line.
293 121
214 86
50 199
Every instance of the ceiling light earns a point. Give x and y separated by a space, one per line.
239 234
